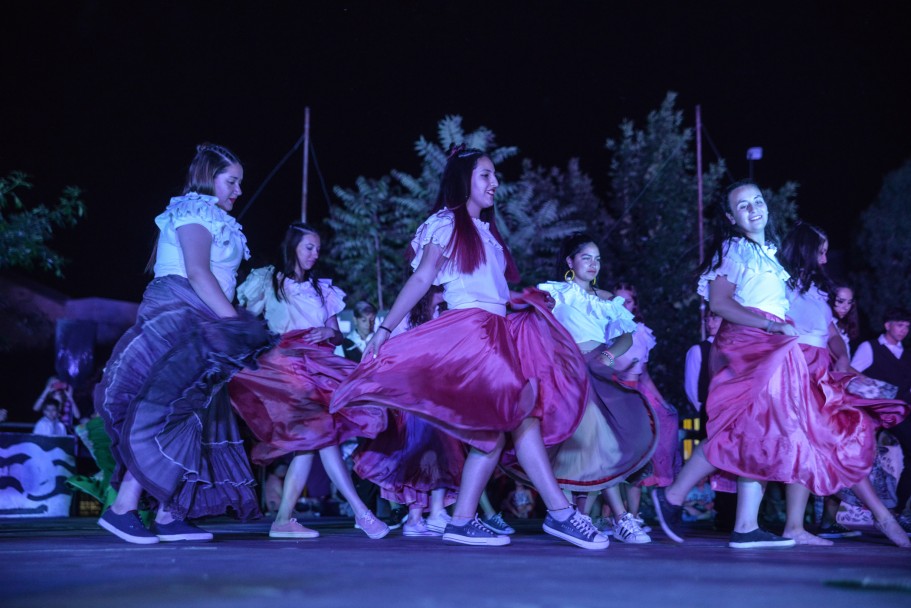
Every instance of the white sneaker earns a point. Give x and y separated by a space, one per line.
626 530
438 522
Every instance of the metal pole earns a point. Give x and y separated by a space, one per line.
306 163
699 213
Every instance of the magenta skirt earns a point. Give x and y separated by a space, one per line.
410 459
286 401
769 417
475 375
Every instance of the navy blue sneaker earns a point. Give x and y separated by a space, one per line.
759 539
128 527
179 530
578 530
474 533
669 515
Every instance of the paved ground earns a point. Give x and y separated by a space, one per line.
73 563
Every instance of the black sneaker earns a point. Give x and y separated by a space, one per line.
669 516
474 533
179 530
836 530
759 539
578 530
128 527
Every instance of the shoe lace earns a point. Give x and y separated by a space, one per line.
583 523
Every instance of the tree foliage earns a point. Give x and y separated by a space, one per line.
883 248
25 230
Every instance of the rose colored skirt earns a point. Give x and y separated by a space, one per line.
667 458
617 436
771 419
463 373
286 401
410 459
165 405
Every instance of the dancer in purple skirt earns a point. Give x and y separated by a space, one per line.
163 395
285 401
472 372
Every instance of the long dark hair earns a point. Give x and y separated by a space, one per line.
293 236
455 189
800 257
424 309
724 230
850 323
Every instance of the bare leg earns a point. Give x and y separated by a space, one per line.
695 469
749 497
295 480
885 521
331 457
533 458
127 495
479 466
486 506
614 499
796 508
436 501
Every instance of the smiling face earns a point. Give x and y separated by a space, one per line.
483 187
227 186
307 252
748 212
844 301
585 264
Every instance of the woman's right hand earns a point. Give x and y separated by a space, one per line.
783 328
373 346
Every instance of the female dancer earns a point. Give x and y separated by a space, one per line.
668 458
760 385
414 463
163 395
845 425
846 318
618 434
462 371
285 402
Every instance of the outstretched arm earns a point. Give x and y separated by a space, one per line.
412 292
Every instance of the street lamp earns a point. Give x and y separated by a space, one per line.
753 154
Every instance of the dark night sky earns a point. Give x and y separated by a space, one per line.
113 98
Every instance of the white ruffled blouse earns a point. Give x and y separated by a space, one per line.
586 316
811 314
301 307
759 280
485 287
229 245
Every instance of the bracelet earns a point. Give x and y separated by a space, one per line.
384 327
610 357
768 325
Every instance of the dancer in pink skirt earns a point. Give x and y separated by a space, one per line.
760 389
845 425
472 372
286 401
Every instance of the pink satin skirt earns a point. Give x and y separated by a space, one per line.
772 419
476 375
286 401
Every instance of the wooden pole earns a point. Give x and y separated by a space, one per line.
306 163
699 213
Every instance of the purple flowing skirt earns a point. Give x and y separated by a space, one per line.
410 459
165 403
667 460
617 436
463 373
285 402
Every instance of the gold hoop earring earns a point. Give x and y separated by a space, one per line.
569 275
594 284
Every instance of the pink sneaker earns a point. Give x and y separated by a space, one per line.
371 526
292 529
